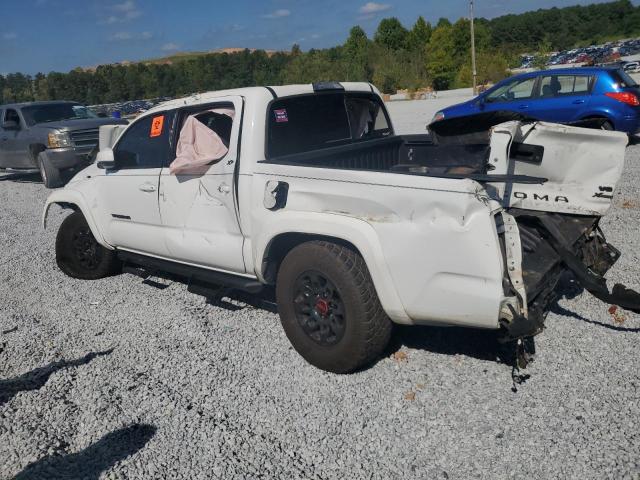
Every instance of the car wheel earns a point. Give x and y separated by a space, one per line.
50 175
329 307
607 125
79 255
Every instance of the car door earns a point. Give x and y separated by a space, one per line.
198 205
562 98
10 139
514 96
129 192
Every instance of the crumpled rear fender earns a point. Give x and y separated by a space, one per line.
73 199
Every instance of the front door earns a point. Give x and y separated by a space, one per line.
130 191
198 204
11 155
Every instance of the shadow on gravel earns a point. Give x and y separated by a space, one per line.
634 140
35 379
89 463
21 177
568 289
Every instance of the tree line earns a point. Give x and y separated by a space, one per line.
395 58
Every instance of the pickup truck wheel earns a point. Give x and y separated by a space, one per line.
79 255
50 175
329 307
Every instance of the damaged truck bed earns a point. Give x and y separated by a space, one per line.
551 227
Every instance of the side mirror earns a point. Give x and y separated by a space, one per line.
105 159
10 125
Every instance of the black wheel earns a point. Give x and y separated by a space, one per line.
79 255
329 308
50 175
607 125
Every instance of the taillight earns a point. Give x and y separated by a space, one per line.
625 97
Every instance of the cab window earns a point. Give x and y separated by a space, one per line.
516 90
11 115
145 144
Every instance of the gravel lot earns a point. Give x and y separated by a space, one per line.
126 379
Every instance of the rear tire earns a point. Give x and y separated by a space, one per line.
607 125
79 255
50 175
329 307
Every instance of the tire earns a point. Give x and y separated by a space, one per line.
329 307
78 254
607 125
50 175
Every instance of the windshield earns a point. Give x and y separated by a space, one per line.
55 113
623 79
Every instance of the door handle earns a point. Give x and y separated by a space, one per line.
578 102
224 188
147 187
523 107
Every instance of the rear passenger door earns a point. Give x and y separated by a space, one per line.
129 193
562 98
198 204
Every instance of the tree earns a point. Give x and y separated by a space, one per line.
391 34
419 35
441 65
355 56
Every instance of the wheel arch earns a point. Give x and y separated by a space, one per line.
34 150
341 230
72 200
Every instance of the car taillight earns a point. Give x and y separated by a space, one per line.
625 97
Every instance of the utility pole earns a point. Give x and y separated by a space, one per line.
473 52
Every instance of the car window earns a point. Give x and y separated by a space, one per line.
516 90
145 144
312 122
11 115
561 85
56 112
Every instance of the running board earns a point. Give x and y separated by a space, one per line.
192 274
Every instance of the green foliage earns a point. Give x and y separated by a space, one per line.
419 35
397 58
391 34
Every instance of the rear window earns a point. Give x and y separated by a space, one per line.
312 122
623 79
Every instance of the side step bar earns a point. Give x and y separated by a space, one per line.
192 274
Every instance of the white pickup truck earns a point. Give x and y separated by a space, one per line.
307 188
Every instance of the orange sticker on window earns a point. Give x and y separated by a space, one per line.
156 126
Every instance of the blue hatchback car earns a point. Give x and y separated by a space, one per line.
562 96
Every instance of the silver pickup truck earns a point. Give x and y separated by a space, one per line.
49 137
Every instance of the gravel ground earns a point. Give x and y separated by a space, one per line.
126 379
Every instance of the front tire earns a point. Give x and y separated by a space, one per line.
329 307
51 176
79 255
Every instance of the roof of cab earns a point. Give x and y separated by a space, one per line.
36 104
256 92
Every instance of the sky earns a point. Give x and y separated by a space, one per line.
59 35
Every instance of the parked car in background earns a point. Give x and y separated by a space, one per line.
632 67
49 137
562 96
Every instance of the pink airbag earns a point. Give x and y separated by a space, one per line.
198 145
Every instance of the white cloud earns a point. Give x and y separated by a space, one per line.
170 47
122 12
373 7
9 36
124 36
278 13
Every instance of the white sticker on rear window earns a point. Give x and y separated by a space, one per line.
281 115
